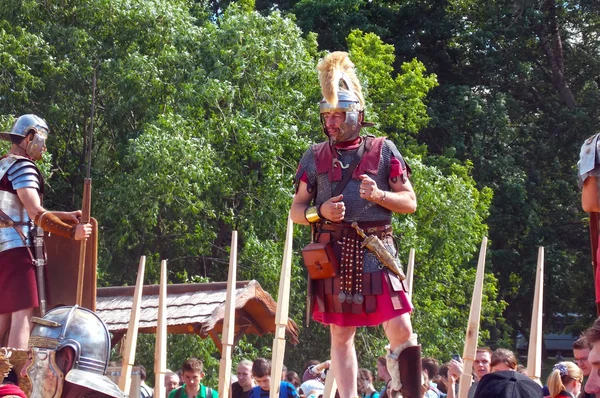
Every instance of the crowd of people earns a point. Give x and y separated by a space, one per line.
493 372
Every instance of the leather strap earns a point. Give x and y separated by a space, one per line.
348 172
6 217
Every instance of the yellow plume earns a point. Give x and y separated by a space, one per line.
335 69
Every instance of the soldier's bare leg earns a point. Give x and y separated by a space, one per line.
344 364
398 330
20 327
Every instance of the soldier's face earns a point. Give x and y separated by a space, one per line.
36 145
333 121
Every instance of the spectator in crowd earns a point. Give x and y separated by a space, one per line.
507 384
565 380
261 371
481 367
171 381
293 378
192 374
365 384
581 351
503 359
241 388
431 367
383 374
592 386
145 390
315 370
522 369
283 372
311 388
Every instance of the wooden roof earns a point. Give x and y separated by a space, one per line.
193 308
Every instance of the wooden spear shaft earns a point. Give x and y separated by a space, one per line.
281 318
86 207
473 327
85 218
160 352
228 323
410 272
132 330
534 354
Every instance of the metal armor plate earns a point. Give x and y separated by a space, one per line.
14 208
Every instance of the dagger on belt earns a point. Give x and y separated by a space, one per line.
376 246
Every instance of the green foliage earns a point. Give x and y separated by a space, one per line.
202 113
400 100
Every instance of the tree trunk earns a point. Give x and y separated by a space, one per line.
551 43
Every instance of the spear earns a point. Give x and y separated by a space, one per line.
86 206
473 326
534 353
228 323
281 318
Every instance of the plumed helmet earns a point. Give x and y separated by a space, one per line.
26 123
84 332
341 90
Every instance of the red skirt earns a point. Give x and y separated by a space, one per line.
385 311
18 289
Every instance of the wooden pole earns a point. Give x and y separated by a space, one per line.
410 271
132 330
330 385
281 318
534 354
228 323
160 351
473 327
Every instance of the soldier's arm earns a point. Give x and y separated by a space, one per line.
400 198
31 200
48 220
300 202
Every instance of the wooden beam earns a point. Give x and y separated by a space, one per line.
473 327
534 354
228 323
132 331
160 352
281 316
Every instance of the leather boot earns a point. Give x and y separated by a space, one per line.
410 372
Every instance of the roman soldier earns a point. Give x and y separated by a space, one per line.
21 212
347 189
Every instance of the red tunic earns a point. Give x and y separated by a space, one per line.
17 274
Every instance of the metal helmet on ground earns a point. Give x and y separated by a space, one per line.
341 92
81 330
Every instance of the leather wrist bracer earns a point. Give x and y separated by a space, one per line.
51 223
